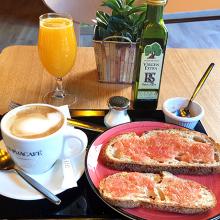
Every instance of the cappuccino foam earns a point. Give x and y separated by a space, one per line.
35 122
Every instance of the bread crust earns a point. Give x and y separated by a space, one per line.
162 205
155 206
155 167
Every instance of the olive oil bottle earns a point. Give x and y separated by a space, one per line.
151 57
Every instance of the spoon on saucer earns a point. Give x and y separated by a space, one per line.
184 111
6 163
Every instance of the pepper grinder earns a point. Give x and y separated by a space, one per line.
118 106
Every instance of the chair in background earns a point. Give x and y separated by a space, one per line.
82 11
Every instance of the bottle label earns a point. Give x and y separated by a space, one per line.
150 71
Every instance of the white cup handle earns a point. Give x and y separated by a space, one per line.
78 143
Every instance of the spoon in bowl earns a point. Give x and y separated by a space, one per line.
185 111
6 163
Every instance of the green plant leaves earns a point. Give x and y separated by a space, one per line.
137 9
115 5
102 18
126 20
130 2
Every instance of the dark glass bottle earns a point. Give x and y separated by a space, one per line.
151 57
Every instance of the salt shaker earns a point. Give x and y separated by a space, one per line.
118 106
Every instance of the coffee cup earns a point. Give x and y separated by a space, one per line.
35 136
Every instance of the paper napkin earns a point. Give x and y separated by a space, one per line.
69 172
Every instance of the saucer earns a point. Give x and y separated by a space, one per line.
13 186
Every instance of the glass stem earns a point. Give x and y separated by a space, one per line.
59 91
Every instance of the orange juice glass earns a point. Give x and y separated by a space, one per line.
57 51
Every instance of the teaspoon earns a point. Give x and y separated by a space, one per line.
6 163
185 111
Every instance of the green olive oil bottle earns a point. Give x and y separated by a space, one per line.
150 57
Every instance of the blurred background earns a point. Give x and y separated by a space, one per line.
19 25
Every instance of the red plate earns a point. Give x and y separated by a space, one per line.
95 171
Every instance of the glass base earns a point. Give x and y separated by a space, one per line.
68 99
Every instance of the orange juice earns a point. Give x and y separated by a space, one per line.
57 45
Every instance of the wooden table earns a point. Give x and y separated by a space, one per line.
24 80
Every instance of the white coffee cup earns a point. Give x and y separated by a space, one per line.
35 145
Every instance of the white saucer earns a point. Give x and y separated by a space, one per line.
13 186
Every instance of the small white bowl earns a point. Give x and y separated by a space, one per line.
171 106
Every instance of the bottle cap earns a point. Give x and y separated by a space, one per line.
156 2
118 102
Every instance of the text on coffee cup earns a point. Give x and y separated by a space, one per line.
26 154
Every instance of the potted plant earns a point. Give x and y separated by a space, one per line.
115 40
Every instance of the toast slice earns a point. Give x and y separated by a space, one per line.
164 192
179 151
